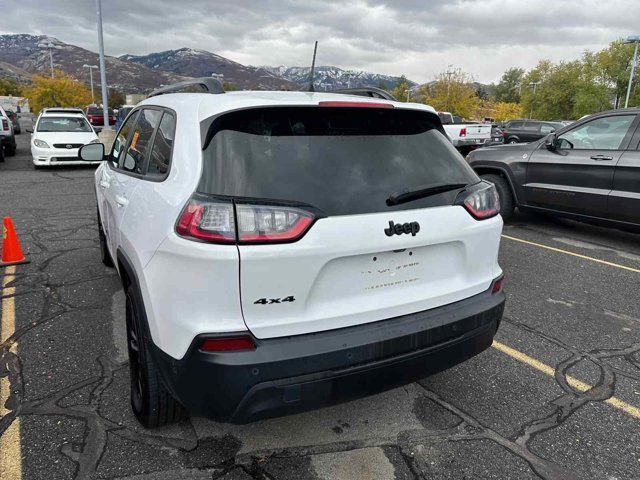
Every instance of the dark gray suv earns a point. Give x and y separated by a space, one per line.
589 170
522 131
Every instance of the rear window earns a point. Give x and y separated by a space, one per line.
98 111
341 160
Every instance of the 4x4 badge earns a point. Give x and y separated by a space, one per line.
400 228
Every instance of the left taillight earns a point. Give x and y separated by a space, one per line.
247 223
480 200
463 132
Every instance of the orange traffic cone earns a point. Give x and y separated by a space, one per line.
11 252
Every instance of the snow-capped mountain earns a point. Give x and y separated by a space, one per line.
22 51
201 63
329 77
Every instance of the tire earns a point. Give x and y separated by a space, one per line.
1 153
10 150
512 140
151 402
105 256
507 203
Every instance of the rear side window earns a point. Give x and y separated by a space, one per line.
162 145
515 124
342 161
139 145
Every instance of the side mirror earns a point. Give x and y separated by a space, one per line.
551 142
92 152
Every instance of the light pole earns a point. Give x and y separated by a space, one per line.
535 84
91 67
633 39
50 46
103 74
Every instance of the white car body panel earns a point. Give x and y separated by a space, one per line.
189 288
336 282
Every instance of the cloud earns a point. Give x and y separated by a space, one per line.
416 38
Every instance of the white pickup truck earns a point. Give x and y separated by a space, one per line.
465 136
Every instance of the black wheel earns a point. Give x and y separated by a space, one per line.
10 150
1 153
151 402
512 140
105 256
507 204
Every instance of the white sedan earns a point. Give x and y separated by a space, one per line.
58 136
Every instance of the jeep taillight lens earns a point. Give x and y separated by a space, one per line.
5 124
481 201
224 222
208 222
268 224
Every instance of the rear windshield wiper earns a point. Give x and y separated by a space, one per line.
421 192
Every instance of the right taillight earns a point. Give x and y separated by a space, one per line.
5 124
247 223
481 200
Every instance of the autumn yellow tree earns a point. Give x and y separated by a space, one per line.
451 92
60 91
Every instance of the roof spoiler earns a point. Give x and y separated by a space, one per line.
194 85
366 92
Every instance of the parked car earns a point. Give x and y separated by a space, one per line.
58 135
589 170
522 131
96 116
122 114
15 122
497 135
7 135
283 250
464 136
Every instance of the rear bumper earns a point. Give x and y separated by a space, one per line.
293 374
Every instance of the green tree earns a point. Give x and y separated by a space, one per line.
611 67
401 90
9 86
115 99
452 92
508 88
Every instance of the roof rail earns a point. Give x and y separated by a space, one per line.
194 85
366 92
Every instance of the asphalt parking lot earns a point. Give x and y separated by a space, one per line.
556 397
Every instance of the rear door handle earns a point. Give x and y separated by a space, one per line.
121 201
601 157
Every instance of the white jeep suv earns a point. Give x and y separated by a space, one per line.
286 250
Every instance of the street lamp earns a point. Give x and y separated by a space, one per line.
91 67
103 74
50 46
534 84
632 39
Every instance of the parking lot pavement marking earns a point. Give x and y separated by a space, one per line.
574 254
572 381
10 461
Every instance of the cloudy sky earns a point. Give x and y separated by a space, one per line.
417 38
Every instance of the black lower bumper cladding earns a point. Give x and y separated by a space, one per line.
292 374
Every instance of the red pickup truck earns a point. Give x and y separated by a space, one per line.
95 116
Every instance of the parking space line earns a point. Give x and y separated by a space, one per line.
572 381
10 457
574 254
